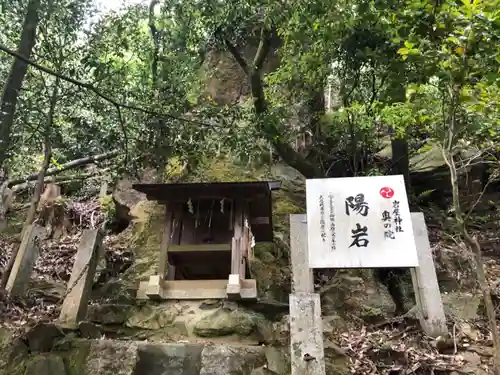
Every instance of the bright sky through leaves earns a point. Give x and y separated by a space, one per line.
106 5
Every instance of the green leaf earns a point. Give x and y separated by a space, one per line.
403 51
408 44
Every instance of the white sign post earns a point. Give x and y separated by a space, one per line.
359 222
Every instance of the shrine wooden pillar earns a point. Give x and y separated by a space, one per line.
238 245
163 267
166 271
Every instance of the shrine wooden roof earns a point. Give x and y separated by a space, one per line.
257 194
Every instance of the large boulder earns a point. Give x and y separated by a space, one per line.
151 317
459 306
42 337
109 313
225 81
125 196
223 322
356 294
143 236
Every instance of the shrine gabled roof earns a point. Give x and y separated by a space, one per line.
256 193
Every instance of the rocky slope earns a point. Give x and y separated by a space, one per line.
124 336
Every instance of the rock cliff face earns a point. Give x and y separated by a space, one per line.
225 81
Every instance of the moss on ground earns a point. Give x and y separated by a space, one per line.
75 358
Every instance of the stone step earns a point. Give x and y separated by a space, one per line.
114 357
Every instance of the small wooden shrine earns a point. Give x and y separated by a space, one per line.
210 232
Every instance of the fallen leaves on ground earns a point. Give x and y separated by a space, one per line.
54 266
407 350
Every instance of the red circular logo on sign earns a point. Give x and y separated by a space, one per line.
387 192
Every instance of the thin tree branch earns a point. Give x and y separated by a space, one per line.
263 49
124 131
107 98
67 166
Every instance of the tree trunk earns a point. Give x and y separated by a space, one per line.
30 215
155 34
400 163
47 156
6 196
40 182
253 71
401 160
15 79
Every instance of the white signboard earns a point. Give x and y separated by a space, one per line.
359 222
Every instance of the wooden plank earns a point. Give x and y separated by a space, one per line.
198 289
306 334
233 289
154 288
170 272
425 284
167 238
302 275
190 234
235 255
177 224
243 248
238 219
75 305
200 247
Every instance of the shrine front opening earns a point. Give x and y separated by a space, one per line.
210 232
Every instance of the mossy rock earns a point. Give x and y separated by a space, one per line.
74 353
13 358
273 279
151 317
224 323
47 364
5 336
113 314
355 295
224 169
144 235
107 205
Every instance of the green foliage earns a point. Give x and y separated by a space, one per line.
108 206
350 128
395 68
464 88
